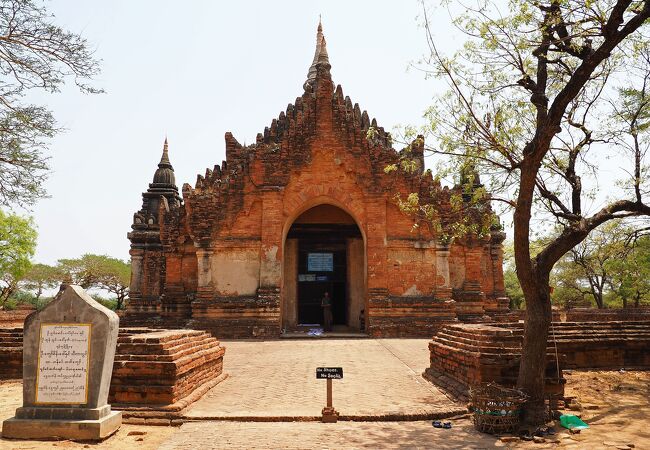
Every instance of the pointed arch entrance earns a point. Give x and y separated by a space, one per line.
323 252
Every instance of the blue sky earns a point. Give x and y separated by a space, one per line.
194 70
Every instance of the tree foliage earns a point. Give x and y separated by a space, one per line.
536 95
40 278
35 54
17 246
98 271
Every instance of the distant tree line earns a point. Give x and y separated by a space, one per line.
22 281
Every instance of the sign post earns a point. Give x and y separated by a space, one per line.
330 415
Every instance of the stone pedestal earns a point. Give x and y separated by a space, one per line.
73 429
68 353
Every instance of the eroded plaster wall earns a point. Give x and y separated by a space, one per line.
235 271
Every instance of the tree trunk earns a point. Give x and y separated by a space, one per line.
533 363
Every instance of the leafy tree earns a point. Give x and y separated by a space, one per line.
585 269
114 276
99 271
17 246
532 95
35 54
630 275
41 277
510 281
569 288
79 271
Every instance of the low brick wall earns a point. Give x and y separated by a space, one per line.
602 345
238 317
464 355
607 315
582 315
409 316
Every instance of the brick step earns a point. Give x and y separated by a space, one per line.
483 347
454 351
483 330
186 350
163 394
491 346
508 336
473 340
11 344
605 336
600 338
162 384
455 343
163 348
134 344
488 351
601 326
571 330
162 368
4 336
468 337
158 336
170 349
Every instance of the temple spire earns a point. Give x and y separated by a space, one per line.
164 160
320 57
165 173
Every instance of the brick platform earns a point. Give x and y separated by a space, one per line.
163 367
467 354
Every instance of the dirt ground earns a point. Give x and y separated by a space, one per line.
126 438
615 404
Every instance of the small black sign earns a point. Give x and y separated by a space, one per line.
335 373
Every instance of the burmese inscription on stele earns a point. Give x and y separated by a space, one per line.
63 355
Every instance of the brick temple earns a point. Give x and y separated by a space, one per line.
308 208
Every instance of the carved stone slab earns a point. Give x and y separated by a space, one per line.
69 348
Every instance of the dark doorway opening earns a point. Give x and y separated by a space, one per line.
322 267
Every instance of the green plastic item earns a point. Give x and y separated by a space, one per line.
572 422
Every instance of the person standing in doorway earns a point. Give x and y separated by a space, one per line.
326 304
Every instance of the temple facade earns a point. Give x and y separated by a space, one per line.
251 248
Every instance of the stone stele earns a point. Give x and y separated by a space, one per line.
68 355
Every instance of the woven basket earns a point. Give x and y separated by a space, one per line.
496 408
